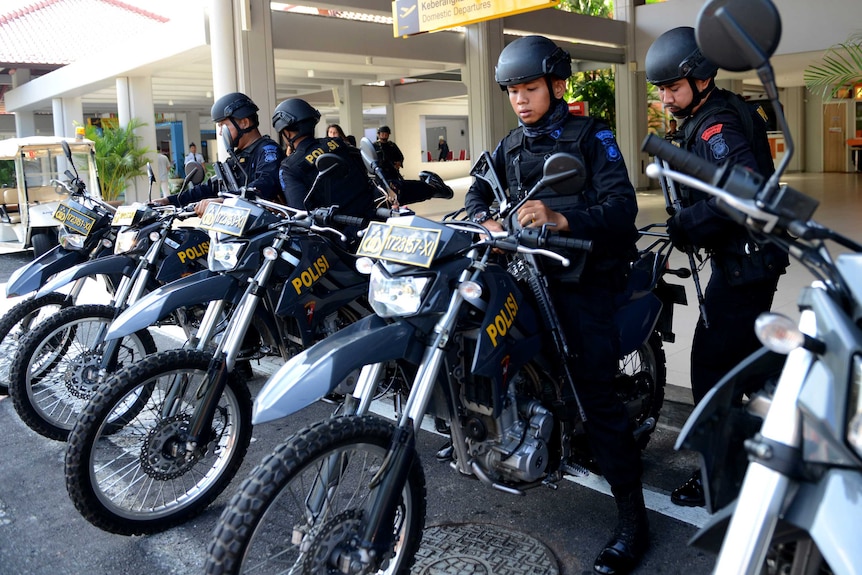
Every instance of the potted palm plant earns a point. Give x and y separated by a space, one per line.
118 157
840 69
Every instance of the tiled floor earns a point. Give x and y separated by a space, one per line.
840 197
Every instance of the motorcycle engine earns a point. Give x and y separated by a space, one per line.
514 446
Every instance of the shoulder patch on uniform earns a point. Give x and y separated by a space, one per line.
612 151
718 146
270 154
711 131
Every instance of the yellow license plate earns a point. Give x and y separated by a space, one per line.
225 219
400 244
75 217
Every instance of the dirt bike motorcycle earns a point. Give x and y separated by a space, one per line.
85 233
483 346
58 365
781 455
285 285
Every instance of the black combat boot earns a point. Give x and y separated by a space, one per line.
631 536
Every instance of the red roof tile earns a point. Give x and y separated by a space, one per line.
53 33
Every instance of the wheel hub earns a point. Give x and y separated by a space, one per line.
82 374
333 547
164 455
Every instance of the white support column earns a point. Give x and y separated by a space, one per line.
488 121
224 58
124 103
67 113
631 101
142 109
255 59
351 111
25 121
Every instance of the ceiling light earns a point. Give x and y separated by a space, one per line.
311 73
170 102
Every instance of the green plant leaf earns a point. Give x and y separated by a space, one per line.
118 156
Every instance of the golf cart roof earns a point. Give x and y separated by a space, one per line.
12 147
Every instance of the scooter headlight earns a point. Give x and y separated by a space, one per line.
393 296
69 240
224 256
854 407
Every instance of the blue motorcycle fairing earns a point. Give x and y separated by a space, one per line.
719 425
314 372
109 265
33 275
201 287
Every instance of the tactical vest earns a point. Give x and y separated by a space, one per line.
524 169
753 125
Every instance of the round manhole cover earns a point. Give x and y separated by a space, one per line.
479 549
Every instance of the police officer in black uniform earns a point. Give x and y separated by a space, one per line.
533 70
294 120
429 185
259 155
721 127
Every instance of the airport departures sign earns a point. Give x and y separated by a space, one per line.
417 16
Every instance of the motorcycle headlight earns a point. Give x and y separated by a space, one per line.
69 240
395 296
854 408
126 241
224 256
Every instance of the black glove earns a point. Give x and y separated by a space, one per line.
678 235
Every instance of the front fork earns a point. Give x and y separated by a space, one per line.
765 487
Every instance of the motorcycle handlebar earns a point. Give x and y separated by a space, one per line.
349 221
570 243
680 159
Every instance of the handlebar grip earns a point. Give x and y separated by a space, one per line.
570 243
384 213
348 221
680 159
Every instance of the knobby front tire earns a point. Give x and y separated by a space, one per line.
55 370
272 524
130 471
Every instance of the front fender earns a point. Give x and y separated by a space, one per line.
33 275
720 424
201 287
318 370
110 265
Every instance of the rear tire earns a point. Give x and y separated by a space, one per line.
255 530
54 372
641 385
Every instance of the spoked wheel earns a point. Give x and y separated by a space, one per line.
790 553
302 508
134 471
640 385
56 367
18 322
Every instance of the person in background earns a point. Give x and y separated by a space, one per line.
335 131
533 71
429 185
294 120
443 148
259 155
164 172
720 127
193 155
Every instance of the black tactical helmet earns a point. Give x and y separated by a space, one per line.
384 130
295 115
234 105
674 55
529 58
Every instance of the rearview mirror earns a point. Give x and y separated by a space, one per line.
738 35
369 154
195 172
564 174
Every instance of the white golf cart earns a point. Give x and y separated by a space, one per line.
29 198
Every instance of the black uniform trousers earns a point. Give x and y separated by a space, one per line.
586 314
731 311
